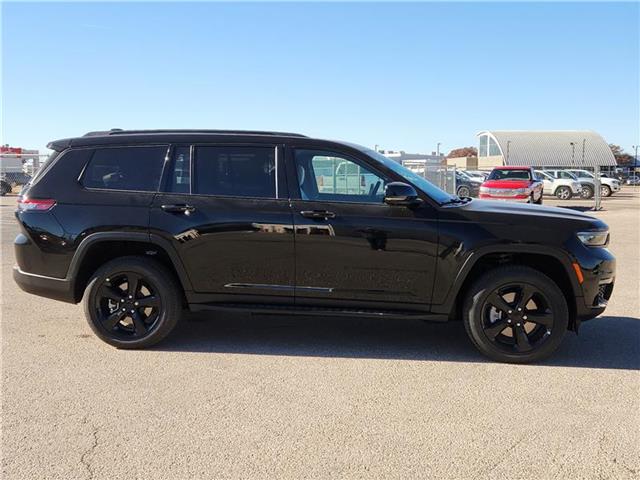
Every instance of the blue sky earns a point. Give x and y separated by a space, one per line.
403 76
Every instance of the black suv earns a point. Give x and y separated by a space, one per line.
144 224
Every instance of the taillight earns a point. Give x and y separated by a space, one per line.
39 204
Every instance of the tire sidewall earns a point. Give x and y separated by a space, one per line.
166 289
493 280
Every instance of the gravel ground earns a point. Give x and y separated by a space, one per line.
241 396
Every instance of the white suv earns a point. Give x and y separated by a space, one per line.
607 185
561 187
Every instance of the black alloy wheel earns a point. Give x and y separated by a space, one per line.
517 317
132 302
128 305
515 314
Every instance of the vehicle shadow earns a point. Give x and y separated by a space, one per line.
607 342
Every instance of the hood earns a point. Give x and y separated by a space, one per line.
506 183
504 212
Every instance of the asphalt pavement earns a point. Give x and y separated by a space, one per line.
265 397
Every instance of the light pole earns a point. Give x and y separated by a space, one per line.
573 152
506 160
584 141
438 149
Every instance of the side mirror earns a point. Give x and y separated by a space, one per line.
399 193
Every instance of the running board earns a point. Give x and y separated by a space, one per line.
320 311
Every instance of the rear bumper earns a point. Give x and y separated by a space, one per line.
49 287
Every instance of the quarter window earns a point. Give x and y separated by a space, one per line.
235 171
125 168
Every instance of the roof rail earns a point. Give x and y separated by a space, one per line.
119 131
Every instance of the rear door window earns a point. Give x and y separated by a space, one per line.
235 171
125 168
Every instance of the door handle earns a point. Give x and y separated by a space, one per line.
317 214
178 208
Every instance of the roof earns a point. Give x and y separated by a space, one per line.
119 131
119 136
512 167
568 148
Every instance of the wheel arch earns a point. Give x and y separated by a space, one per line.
99 248
552 262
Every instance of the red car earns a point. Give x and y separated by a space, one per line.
519 184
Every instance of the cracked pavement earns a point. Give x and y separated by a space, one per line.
236 396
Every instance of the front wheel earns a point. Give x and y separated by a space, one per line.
132 302
564 193
605 190
515 314
463 191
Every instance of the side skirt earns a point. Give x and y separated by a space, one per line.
317 311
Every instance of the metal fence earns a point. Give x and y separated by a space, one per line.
442 176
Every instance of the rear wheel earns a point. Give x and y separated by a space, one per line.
564 193
587 192
132 302
515 314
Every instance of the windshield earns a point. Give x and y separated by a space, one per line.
423 184
509 174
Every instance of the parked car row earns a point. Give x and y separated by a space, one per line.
528 184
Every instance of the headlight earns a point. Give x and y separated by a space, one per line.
520 191
485 189
594 239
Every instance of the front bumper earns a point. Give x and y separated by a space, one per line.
512 198
598 271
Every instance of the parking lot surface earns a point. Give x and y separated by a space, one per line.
242 396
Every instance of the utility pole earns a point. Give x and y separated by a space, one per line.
573 152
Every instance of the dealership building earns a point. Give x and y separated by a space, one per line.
564 149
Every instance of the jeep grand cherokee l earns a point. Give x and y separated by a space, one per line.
143 224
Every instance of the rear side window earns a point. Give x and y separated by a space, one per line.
235 171
125 168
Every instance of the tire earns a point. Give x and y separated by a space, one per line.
133 326
482 319
605 190
587 192
539 201
463 191
563 193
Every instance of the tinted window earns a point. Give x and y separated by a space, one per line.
509 174
235 171
330 176
179 177
125 168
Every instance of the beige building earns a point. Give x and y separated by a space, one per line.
565 149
